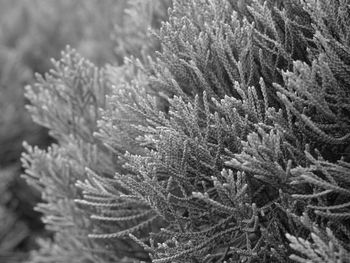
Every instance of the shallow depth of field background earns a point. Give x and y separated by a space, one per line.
31 33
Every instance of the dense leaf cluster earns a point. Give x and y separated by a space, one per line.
32 32
230 144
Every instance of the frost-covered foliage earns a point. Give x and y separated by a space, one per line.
230 144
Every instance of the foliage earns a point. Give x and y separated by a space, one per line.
230 144
31 32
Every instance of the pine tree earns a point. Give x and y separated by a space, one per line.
230 144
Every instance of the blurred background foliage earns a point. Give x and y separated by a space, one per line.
32 32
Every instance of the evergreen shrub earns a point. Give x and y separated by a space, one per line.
31 32
228 144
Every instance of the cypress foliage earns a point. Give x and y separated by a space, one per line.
229 144
30 33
